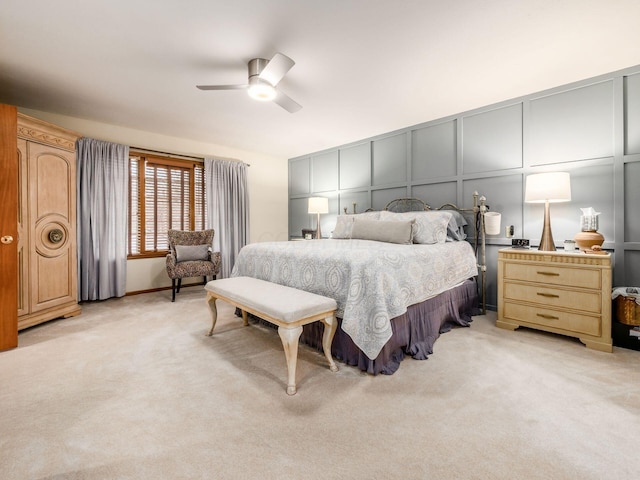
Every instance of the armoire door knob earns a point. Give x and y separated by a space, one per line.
7 239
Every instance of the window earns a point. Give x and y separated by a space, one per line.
164 193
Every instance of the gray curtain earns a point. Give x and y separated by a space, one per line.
102 205
227 204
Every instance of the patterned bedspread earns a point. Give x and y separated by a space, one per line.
372 282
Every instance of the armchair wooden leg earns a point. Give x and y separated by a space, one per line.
179 285
173 289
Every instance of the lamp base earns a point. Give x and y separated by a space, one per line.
318 232
546 241
586 240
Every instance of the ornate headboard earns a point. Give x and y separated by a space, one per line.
401 205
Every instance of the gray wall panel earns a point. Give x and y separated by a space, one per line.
632 202
436 194
632 270
590 187
492 140
328 221
380 198
347 199
632 114
298 216
324 172
390 160
355 166
575 124
299 176
504 195
433 151
491 258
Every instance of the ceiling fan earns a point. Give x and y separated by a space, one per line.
264 76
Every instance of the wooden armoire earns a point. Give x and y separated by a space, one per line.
47 261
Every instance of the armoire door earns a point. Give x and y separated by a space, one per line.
8 227
52 232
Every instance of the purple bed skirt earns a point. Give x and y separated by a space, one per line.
414 332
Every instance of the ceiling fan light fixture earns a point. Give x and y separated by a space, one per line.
262 92
263 77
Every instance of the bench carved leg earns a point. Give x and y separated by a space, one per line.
245 318
290 338
330 327
211 301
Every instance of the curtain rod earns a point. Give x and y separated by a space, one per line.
175 155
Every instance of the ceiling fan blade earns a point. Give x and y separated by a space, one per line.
222 87
277 67
286 102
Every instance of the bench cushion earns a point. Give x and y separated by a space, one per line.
283 303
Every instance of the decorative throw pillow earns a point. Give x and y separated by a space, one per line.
188 253
344 226
381 231
429 227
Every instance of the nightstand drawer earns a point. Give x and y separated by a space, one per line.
571 322
554 297
552 275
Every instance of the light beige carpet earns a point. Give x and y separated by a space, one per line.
133 389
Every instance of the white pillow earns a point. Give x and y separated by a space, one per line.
429 227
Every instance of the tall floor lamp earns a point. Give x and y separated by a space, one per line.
318 205
551 187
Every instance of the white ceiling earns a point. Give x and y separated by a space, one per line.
363 67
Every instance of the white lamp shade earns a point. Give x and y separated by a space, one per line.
318 205
549 187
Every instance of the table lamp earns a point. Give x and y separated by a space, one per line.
318 205
547 188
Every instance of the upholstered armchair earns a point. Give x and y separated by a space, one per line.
190 255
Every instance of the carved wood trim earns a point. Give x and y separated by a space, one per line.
36 130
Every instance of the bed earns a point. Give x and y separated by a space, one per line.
400 277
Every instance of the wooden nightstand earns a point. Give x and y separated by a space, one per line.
565 293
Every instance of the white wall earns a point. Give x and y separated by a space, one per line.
267 179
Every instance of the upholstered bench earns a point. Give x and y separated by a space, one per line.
286 307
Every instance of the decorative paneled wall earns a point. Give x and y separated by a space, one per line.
590 129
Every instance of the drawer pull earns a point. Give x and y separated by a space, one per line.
550 295
548 317
549 274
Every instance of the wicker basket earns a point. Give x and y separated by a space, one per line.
627 310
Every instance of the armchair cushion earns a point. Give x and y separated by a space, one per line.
187 253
